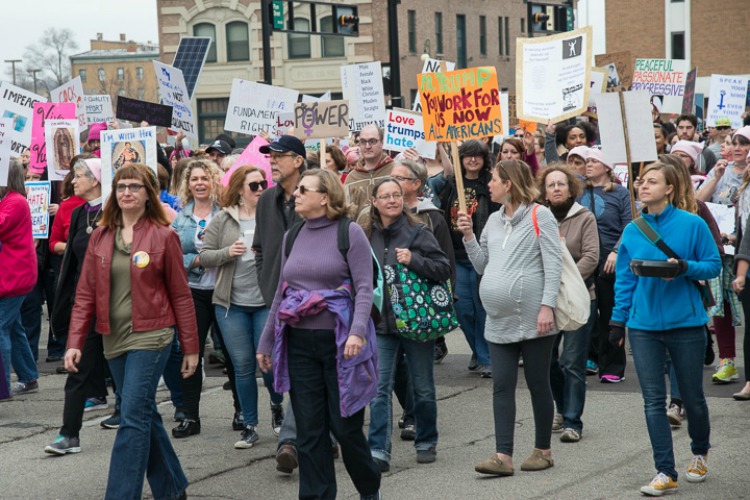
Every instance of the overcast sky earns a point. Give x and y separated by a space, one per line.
24 21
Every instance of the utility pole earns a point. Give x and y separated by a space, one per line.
396 99
33 75
265 15
13 65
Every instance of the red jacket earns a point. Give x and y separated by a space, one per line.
160 295
61 224
18 270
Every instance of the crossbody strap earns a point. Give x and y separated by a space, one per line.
651 235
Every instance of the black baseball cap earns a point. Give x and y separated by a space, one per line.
283 144
220 146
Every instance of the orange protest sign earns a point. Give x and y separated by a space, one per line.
529 127
460 105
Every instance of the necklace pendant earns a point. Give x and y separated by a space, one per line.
89 230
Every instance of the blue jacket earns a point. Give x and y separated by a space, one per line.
653 303
186 228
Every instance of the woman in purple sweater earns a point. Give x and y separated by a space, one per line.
323 341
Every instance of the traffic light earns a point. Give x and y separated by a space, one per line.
347 20
547 19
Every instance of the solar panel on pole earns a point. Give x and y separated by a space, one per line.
190 58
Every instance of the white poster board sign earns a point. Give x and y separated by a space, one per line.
38 196
72 91
727 99
173 92
431 66
98 109
640 127
662 77
404 129
6 124
553 76
255 107
362 86
725 219
62 142
120 147
17 105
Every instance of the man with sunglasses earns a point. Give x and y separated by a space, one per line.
718 134
273 217
373 164
687 125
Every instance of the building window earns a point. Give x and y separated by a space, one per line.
460 41
412 31
482 35
139 73
142 94
209 30
211 116
102 75
121 92
438 32
523 25
507 36
238 42
678 45
120 74
330 46
299 44
500 50
82 74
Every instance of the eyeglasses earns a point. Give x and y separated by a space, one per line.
202 230
473 157
553 185
371 142
276 156
304 190
402 179
255 185
134 188
723 127
386 197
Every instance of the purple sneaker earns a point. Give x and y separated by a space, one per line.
611 379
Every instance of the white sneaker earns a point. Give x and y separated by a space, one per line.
557 423
674 415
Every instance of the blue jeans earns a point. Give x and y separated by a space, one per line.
241 328
420 359
568 372
469 310
142 446
13 342
172 375
687 348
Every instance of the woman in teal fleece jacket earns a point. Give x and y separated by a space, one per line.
667 316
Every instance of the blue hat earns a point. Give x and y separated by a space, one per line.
283 144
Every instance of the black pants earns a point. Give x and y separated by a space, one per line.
191 386
87 382
745 298
537 354
315 397
611 358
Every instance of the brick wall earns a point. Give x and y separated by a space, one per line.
720 36
637 26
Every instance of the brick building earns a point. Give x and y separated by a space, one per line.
119 67
712 34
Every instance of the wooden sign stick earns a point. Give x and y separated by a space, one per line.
456 160
631 187
322 153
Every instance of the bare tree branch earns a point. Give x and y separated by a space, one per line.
51 54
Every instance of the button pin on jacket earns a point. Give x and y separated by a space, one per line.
141 259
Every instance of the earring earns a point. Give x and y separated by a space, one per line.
242 202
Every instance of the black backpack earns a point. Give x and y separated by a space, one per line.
343 244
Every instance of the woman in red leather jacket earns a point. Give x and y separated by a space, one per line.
134 249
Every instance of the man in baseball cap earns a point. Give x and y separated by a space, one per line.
218 150
284 144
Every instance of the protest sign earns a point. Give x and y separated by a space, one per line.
362 86
17 104
319 120
688 98
38 196
44 111
72 91
62 143
459 105
726 99
252 156
512 121
619 66
6 124
137 111
553 75
431 66
255 107
404 129
98 109
120 147
662 77
173 92
640 127
598 84
724 215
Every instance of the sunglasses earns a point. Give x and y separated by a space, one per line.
202 231
302 190
723 127
255 185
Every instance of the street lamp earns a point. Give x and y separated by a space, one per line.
33 75
13 65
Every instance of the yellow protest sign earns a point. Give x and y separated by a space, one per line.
460 105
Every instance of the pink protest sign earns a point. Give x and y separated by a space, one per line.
44 111
251 156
